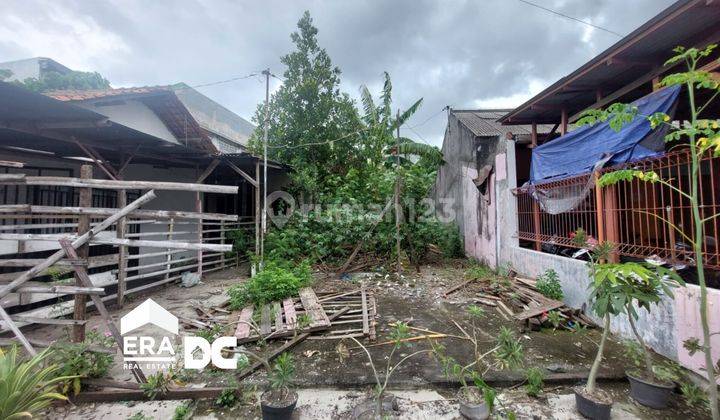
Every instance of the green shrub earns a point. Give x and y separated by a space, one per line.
549 285
276 281
534 384
26 387
76 360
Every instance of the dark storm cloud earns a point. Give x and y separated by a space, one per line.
460 53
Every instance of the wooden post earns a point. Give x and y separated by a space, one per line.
199 209
257 209
599 209
168 258
536 206
222 242
612 224
563 122
122 250
533 136
85 200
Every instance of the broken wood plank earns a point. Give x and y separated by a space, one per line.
326 298
502 313
487 302
68 290
290 316
285 347
18 334
47 321
533 312
458 287
45 344
243 328
277 313
366 322
373 315
265 315
11 164
318 317
102 382
504 307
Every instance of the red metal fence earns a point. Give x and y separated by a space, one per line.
633 215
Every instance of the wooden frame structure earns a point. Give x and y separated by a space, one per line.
86 230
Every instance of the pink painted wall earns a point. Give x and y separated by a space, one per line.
478 214
687 324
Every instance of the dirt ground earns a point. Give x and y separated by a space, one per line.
331 384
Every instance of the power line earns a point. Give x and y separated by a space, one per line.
571 18
257 73
430 118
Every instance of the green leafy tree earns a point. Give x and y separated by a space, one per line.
701 136
77 80
311 125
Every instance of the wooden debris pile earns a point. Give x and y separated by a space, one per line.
520 300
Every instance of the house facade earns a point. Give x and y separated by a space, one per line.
545 190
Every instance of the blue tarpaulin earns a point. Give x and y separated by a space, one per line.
577 152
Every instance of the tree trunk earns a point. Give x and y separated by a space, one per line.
590 387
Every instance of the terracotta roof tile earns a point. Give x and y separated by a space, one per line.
84 95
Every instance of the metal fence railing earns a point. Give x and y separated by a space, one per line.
632 215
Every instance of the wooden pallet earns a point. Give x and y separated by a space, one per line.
280 319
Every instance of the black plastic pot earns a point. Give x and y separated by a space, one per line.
591 409
274 412
650 394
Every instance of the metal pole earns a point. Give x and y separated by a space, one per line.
266 72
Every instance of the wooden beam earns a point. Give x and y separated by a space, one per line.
18 334
127 161
563 121
57 256
58 181
59 289
120 233
164 244
104 212
109 170
242 173
209 170
11 164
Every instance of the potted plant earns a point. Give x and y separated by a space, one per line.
592 402
476 401
699 133
278 401
643 285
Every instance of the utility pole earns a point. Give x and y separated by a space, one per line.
398 209
266 72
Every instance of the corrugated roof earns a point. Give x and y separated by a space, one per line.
484 122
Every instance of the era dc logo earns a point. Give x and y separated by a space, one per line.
157 354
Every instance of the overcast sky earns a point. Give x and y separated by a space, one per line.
466 54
